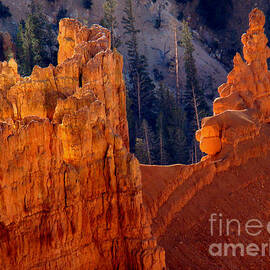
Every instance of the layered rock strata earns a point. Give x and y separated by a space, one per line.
70 191
244 102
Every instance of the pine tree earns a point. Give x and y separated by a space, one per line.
34 41
145 147
194 100
109 21
170 126
163 155
178 94
140 152
62 13
141 89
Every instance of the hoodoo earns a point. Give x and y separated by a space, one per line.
73 197
70 191
244 102
188 203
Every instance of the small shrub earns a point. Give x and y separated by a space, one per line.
157 23
180 16
158 75
87 4
4 11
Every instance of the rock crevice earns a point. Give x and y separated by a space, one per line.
70 191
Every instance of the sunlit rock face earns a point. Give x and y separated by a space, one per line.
70 191
231 182
244 102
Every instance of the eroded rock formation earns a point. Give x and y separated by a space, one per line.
232 180
70 191
244 102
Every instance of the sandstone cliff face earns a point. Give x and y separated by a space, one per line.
70 191
233 179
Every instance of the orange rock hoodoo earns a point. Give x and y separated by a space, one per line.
244 101
233 181
70 191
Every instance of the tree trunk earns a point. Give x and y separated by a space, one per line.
196 108
197 120
195 152
176 68
147 142
161 141
112 37
139 97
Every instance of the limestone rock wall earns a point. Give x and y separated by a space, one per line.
70 191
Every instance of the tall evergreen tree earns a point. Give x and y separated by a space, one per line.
178 94
34 41
163 155
170 127
145 147
194 101
140 152
109 21
62 13
141 89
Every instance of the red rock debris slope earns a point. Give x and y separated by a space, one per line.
70 191
232 180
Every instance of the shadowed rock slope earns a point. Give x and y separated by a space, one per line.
232 180
70 191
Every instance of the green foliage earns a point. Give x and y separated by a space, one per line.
158 18
62 13
145 147
170 129
158 75
180 16
110 22
194 101
4 11
191 77
215 14
141 89
157 23
87 4
34 41
140 151
156 123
